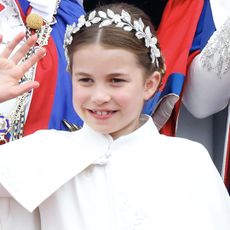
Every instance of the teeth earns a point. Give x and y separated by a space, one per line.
102 113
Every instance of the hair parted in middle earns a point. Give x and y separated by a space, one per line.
114 36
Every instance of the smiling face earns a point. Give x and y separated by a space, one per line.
109 88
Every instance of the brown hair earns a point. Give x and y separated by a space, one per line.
113 36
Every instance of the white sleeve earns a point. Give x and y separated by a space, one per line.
207 88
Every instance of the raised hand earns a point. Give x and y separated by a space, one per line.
11 71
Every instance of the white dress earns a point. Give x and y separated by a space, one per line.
85 180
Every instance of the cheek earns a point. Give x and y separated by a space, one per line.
78 97
123 99
128 99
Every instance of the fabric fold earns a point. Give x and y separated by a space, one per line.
33 168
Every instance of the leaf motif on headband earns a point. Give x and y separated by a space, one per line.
106 22
92 15
123 21
102 14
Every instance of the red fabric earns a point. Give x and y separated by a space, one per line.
176 33
2 7
169 128
43 97
42 100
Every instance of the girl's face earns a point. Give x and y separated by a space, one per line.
109 88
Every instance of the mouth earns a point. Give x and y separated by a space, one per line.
102 114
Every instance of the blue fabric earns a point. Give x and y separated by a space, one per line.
205 28
174 86
24 5
69 11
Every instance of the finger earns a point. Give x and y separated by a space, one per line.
1 38
24 49
32 60
24 88
18 90
11 45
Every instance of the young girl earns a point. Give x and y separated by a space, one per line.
117 172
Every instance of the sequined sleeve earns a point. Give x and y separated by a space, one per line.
207 88
216 55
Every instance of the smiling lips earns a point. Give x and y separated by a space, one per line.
102 114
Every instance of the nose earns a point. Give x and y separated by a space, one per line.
100 95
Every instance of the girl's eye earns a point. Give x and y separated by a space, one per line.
85 80
117 80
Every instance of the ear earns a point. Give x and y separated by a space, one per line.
151 85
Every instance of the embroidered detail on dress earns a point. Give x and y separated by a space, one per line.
216 55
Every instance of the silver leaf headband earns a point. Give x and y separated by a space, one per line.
122 21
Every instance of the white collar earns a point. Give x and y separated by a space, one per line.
147 126
43 162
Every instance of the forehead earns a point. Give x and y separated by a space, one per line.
94 55
100 61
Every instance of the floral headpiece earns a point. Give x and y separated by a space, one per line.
121 21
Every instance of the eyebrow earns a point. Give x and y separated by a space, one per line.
82 74
118 74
